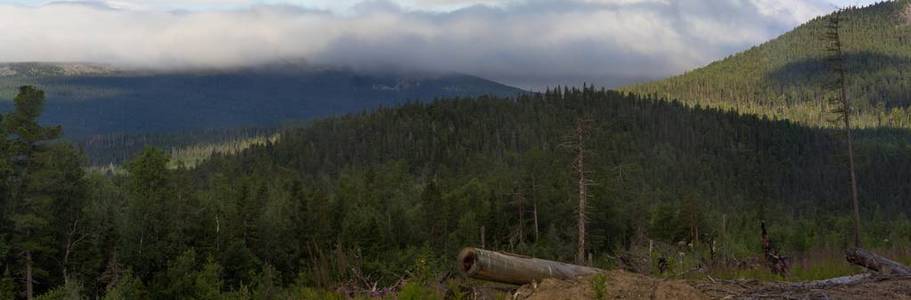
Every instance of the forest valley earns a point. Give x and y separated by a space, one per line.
350 205
379 204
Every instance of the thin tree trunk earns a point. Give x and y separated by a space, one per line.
855 202
520 198
839 67
581 132
537 236
580 250
28 276
534 193
71 241
847 117
66 258
723 229
482 237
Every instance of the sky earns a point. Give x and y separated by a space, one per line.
526 43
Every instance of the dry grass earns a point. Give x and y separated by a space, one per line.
616 284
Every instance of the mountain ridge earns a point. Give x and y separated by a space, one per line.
92 99
787 77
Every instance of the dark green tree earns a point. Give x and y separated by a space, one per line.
30 206
147 229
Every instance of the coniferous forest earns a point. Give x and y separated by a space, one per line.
728 172
786 78
375 197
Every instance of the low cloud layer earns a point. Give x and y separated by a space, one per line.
532 44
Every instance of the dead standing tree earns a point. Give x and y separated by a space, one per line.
838 64
842 105
777 263
576 142
517 237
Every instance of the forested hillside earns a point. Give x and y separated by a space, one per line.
112 150
92 99
375 197
789 78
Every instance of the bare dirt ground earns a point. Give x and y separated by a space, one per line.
881 288
625 285
618 285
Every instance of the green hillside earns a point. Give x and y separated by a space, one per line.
109 152
786 78
429 177
374 197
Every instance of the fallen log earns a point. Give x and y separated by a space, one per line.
516 269
832 282
875 262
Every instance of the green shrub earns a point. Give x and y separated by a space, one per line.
7 286
128 287
413 290
72 290
456 289
599 285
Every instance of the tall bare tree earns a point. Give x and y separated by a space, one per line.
520 206
535 209
843 105
576 142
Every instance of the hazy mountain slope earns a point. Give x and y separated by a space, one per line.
787 77
92 99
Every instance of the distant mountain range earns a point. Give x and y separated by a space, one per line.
92 99
788 77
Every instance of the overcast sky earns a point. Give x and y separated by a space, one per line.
528 43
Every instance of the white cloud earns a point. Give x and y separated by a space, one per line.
529 43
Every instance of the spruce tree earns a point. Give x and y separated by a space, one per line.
30 206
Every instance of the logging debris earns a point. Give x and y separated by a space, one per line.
876 263
544 279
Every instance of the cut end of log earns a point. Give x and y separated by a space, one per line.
468 259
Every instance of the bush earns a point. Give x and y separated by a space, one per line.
72 290
7 286
128 287
456 289
413 290
599 286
